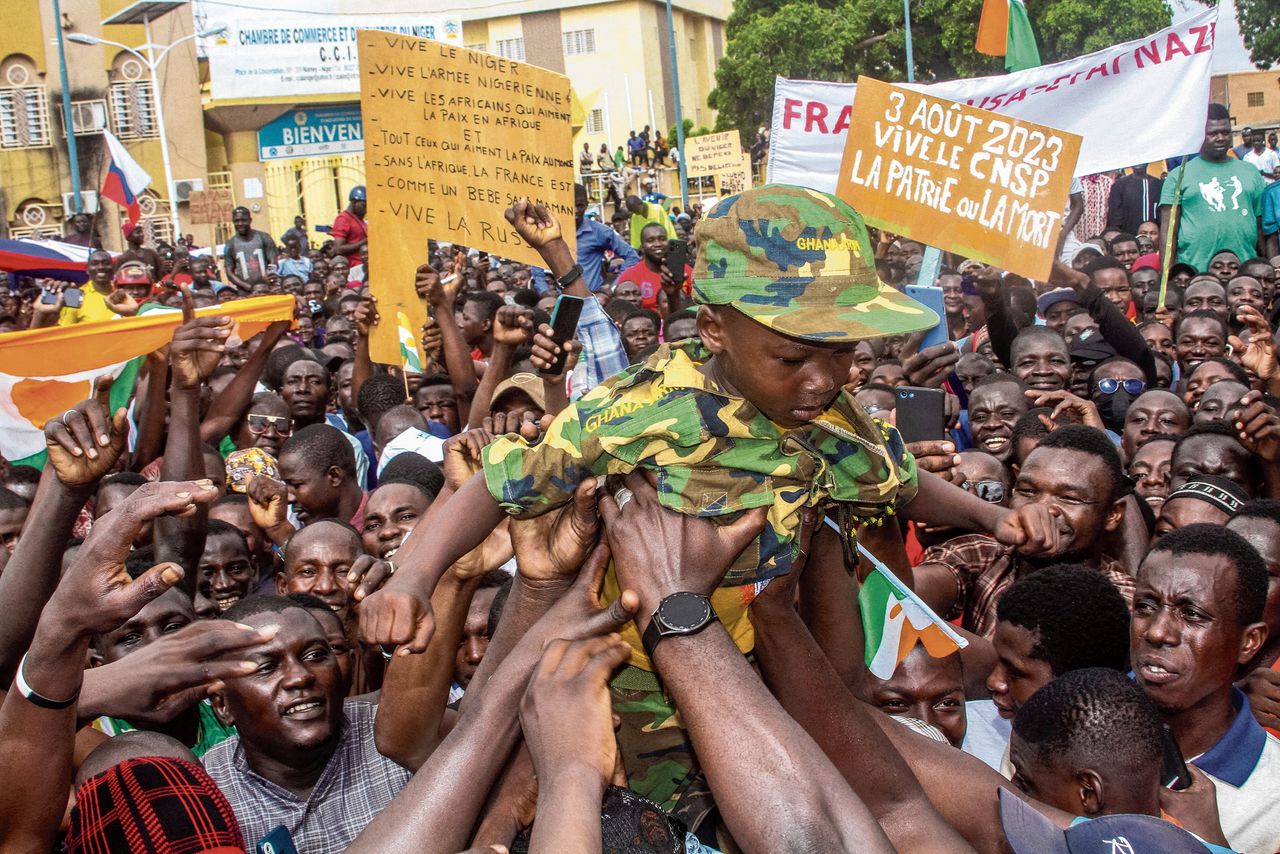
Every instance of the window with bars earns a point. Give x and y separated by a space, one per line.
1256 99
24 117
595 121
579 42
133 110
510 49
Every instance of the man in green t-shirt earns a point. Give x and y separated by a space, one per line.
1220 199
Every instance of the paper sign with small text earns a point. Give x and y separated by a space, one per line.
969 181
452 138
735 180
712 153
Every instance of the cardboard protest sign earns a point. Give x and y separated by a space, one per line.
966 180
712 153
452 138
1134 102
209 206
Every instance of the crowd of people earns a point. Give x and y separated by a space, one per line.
603 592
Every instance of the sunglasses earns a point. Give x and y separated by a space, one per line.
991 491
259 424
1133 387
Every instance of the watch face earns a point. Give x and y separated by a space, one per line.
684 611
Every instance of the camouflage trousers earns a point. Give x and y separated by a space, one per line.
656 751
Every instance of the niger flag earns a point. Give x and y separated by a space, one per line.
1005 30
45 372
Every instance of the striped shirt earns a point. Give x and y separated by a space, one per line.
356 785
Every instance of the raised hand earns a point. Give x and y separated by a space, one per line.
566 713
163 678
198 345
545 350
366 316
84 444
1259 427
96 594
552 547
1259 355
533 222
512 325
658 552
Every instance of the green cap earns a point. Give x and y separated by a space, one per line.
800 262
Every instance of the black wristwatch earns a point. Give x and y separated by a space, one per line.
678 614
575 272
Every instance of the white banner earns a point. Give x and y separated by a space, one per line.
310 51
1135 102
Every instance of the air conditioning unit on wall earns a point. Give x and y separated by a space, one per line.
88 203
183 188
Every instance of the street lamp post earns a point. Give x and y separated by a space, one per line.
675 87
153 61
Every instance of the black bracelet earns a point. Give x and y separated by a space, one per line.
575 273
29 694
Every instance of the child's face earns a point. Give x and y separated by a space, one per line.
789 380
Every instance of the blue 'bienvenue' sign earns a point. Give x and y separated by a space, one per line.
312 132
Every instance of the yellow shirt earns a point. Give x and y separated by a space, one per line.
93 308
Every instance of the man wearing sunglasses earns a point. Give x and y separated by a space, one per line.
266 425
1114 385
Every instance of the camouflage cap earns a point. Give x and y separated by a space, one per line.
800 262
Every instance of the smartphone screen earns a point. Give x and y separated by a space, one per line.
564 323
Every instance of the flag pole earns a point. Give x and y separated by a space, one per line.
1165 262
911 62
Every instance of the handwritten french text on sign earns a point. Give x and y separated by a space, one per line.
712 153
731 182
452 138
966 180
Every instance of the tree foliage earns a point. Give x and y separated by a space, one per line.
1260 25
841 39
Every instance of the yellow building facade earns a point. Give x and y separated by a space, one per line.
110 90
1253 97
615 53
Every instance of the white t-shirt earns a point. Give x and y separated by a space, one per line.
1245 767
1267 162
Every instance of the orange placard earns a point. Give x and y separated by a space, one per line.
453 137
969 181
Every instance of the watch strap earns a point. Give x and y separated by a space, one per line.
575 273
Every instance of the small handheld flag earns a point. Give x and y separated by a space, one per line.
894 619
125 179
1005 30
410 356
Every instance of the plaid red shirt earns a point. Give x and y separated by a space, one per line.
984 569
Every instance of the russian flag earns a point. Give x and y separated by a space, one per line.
47 259
125 179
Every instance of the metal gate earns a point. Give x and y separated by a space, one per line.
315 187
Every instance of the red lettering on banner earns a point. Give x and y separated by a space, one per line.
1170 49
815 114
1203 42
790 110
1098 69
1150 50
842 123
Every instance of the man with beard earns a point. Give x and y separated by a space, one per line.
1075 473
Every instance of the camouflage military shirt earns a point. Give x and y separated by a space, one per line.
715 454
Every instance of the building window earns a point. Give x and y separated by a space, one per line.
133 110
24 117
1255 99
595 122
482 47
579 42
510 49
